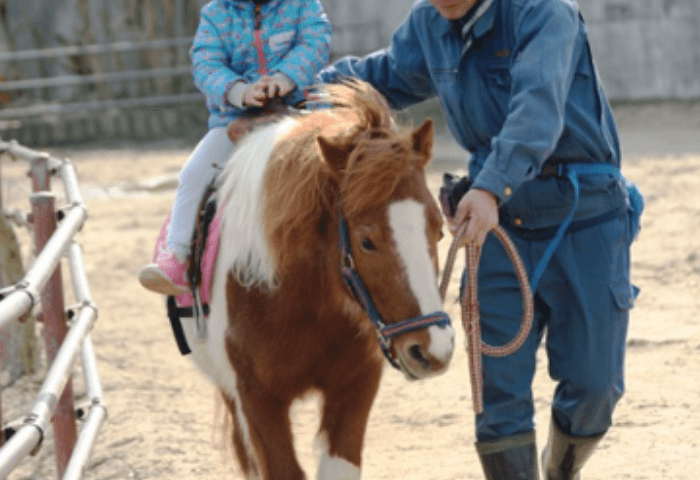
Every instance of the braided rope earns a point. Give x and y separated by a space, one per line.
470 308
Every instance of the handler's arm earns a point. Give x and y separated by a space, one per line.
399 72
547 49
548 46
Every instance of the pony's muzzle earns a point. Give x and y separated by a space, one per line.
425 353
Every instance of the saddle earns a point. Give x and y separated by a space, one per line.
274 111
200 269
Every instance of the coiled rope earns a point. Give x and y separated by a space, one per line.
470 307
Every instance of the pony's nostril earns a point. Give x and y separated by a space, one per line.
417 354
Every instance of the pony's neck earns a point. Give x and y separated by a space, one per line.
244 245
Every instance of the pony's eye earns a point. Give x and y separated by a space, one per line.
367 244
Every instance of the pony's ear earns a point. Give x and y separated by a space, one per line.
334 155
423 140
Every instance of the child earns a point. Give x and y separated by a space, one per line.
244 54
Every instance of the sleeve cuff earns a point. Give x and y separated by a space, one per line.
235 94
499 185
283 77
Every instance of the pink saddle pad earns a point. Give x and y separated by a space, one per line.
208 259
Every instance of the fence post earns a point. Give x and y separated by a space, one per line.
53 309
17 343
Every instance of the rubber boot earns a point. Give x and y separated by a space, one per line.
511 458
564 456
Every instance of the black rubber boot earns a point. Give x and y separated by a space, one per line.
564 456
511 458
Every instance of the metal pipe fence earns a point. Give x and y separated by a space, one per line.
18 300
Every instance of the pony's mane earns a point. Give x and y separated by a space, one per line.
280 191
240 189
304 190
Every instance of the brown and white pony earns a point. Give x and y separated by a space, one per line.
283 321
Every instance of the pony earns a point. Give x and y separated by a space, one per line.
327 259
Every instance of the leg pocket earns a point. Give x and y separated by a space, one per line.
624 293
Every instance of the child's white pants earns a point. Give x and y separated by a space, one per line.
206 161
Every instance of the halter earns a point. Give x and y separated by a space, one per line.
385 332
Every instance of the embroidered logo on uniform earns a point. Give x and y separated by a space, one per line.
502 53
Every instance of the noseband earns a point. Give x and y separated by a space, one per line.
385 332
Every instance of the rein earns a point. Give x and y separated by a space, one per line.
385 332
476 347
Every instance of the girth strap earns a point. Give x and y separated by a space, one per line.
175 315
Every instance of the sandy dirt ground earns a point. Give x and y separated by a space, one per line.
163 414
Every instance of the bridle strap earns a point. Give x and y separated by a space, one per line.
439 318
385 332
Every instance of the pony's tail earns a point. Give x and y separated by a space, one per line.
223 432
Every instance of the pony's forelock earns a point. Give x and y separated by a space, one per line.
367 184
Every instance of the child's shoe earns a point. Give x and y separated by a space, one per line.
166 275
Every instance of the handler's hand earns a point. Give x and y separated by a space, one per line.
480 209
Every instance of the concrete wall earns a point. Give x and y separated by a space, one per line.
644 49
362 26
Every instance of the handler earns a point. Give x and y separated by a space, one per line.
519 91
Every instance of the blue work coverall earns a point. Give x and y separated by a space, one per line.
519 91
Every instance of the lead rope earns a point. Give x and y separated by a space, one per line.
470 308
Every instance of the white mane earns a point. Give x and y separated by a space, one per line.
243 245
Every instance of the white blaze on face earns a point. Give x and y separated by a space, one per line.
408 223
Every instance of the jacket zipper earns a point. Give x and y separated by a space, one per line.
258 39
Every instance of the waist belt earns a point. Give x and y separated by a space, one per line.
546 233
571 171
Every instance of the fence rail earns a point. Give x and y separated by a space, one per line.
43 53
35 287
129 80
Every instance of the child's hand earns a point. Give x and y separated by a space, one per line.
255 95
259 93
277 85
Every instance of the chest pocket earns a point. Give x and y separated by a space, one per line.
498 85
280 43
498 76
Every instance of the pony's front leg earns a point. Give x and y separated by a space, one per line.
262 437
344 421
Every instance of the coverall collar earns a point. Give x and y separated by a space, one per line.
480 22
